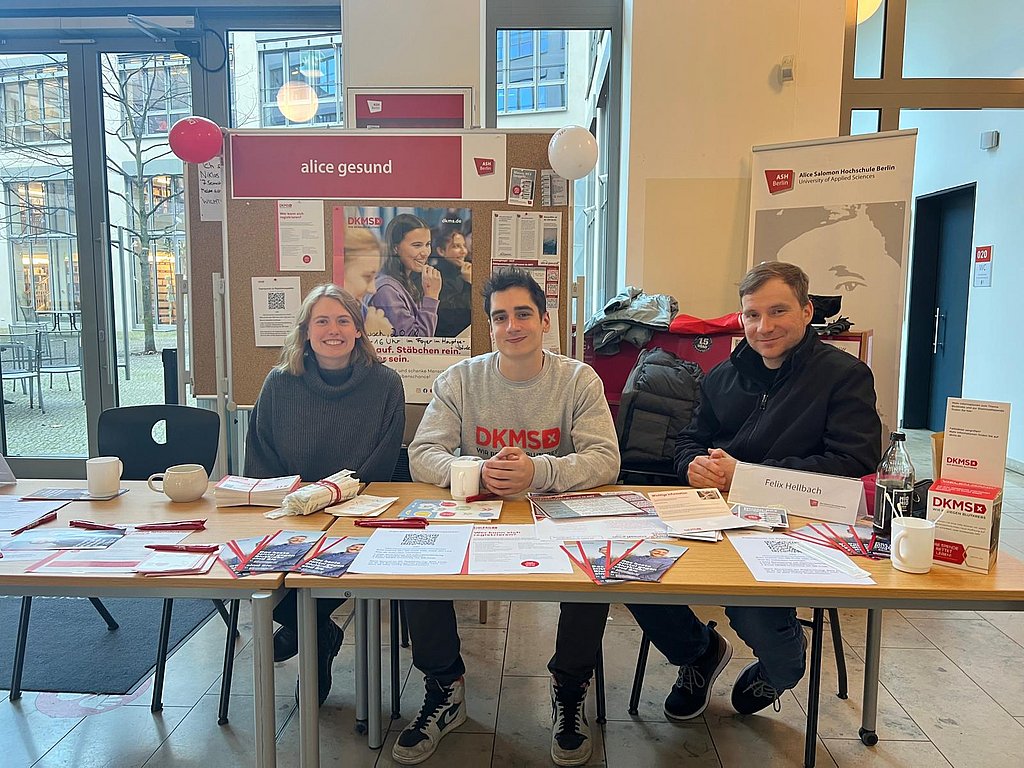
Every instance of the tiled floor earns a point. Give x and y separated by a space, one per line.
952 695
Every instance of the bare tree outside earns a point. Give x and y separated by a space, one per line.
151 92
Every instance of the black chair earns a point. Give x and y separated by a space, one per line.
191 437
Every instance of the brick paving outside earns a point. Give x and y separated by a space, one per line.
60 431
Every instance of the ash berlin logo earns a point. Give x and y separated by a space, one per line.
779 181
814 502
484 166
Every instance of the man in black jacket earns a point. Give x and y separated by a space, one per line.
782 399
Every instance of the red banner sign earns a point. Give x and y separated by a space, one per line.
410 110
316 166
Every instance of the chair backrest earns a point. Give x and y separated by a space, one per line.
127 432
19 352
60 348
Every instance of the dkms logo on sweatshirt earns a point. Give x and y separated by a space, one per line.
532 439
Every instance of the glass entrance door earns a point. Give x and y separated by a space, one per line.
91 238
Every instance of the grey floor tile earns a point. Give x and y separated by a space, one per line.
125 737
628 745
468 614
897 631
198 742
26 734
985 653
195 668
621 645
776 738
841 718
456 749
954 615
524 725
531 639
1010 623
850 753
1012 538
340 745
958 717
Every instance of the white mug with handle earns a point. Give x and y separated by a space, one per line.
913 541
103 476
465 477
182 482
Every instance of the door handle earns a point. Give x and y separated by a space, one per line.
942 336
935 333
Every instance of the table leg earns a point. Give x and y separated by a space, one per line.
361 666
309 696
373 677
263 679
814 688
872 659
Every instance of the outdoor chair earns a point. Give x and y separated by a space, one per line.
20 358
61 353
191 438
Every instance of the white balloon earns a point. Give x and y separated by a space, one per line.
572 152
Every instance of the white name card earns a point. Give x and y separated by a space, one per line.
808 494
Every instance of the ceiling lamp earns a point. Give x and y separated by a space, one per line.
297 101
866 9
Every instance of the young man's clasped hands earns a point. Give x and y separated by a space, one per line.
508 473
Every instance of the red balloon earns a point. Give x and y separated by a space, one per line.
195 139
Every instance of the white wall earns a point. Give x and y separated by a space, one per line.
948 155
704 89
396 43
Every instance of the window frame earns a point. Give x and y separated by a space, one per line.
536 81
34 75
267 94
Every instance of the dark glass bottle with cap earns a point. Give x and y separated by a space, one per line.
894 484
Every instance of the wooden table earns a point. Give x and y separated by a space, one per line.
709 574
141 504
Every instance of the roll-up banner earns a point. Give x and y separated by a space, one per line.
840 209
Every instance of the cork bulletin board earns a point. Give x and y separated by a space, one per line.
245 246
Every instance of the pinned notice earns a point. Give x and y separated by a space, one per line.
300 235
211 190
275 303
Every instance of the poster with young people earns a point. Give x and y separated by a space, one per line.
412 269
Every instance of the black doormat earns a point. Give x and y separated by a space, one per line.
70 649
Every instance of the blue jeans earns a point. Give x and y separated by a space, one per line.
773 634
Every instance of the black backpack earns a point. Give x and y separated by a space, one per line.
658 399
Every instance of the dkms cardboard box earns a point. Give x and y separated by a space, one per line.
966 502
967 531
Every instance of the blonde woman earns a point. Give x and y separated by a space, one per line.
329 404
362 263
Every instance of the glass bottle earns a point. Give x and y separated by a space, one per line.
894 484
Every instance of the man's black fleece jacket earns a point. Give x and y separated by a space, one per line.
816 413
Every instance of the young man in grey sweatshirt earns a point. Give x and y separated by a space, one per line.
541 423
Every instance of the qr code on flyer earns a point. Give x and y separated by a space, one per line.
275 300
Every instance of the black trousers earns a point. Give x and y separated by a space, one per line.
434 633
286 613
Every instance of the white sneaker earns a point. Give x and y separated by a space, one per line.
570 731
444 709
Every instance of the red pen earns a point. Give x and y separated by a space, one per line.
49 517
408 522
195 548
89 525
481 497
173 525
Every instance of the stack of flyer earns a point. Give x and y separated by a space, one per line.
856 540
236 491
613 562
307 552
176 563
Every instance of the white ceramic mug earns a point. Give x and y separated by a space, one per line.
103 475
182 482
913 541
465 478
